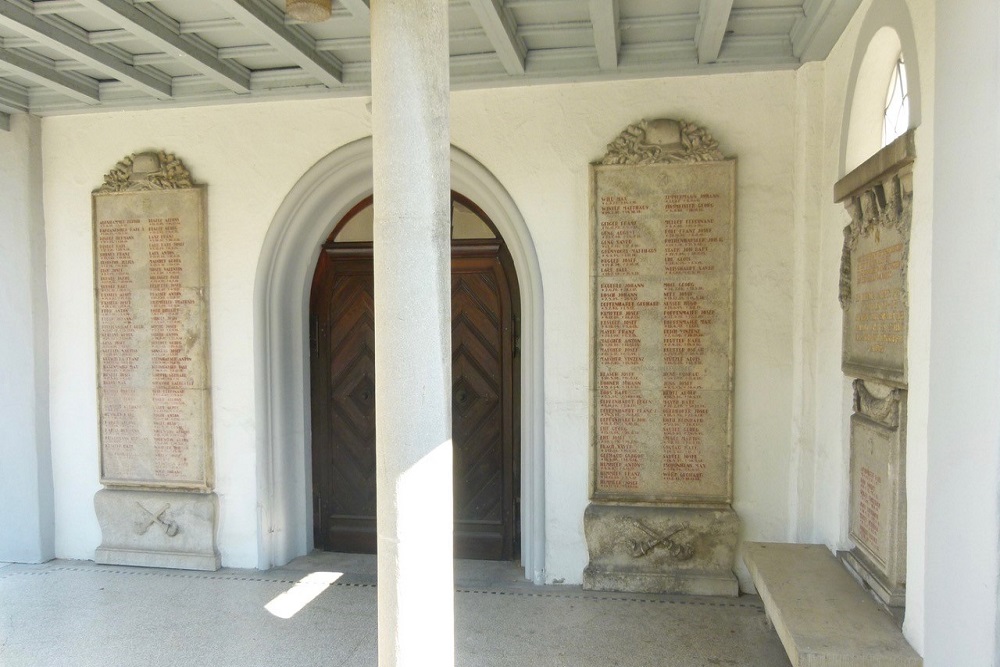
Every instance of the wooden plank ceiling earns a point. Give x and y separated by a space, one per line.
73 56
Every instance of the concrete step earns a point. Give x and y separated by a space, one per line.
821 614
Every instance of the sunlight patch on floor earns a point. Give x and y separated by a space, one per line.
298 596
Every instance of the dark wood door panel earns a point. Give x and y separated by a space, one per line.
343 352
343 363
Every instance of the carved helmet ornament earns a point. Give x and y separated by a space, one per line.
663 141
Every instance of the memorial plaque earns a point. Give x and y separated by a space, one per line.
153 381
878 494
152 337
663 204
663 298
873 289
873 294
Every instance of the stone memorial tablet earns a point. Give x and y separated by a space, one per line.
878 496
152 334
873 293
873 283
663 204
663 295
152 359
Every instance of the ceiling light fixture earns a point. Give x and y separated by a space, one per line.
309 11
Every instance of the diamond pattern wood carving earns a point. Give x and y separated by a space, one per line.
343 394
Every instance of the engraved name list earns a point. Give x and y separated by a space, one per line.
663 296
151 338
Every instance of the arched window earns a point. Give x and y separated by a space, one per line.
896 116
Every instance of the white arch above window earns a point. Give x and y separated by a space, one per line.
886 32
868 106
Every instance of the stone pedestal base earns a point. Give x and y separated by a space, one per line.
157 529
642 549
893 595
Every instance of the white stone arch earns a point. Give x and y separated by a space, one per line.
288 259
886 31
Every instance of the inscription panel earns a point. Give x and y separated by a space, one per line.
663 276
875 321
153 380
877 511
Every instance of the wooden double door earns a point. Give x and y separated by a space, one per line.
484 405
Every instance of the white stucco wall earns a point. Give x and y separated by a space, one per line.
538 142
26 526
962 620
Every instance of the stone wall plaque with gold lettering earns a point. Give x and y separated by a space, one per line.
663 302
878 493
663 209
873 293
151 281
873 280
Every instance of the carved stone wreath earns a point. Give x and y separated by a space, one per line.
147 171
662 141
883 410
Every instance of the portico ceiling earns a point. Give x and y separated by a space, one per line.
73 56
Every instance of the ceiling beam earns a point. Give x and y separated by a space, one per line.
502 34
814 35
41 7
293 42
359 9
162 32
713 18
13 97
4 121
35 68
52 32
209 25
605 16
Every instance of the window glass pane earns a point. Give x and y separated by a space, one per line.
896 118
467 225
359 228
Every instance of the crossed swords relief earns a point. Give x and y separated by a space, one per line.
676 550
170 526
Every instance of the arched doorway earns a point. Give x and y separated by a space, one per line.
322 197
485 370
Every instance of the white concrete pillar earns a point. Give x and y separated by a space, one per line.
411 154
27 525
962 566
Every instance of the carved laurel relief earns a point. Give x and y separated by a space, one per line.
147 171
884 205
883 410
663 141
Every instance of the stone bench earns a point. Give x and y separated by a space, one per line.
821 614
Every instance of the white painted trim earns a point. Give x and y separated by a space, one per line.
288 259
892 14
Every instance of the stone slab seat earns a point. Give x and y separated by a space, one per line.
821 614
